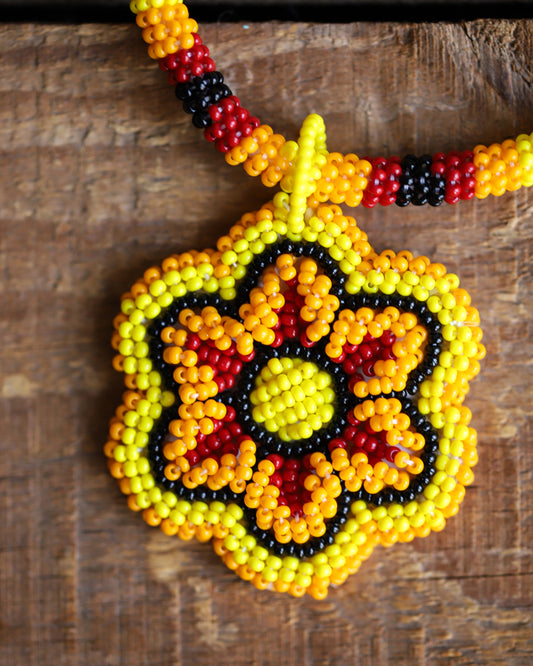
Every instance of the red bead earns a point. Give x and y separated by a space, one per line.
197 69
391 453
193 341
219 381
350 432
468 168
242 115
292 463
230 413
352 420
231 124
236 366
184 56
193 457
349 366
291 332
395 168
276 460
469 183
222 146
453 175
369 201
228 105
224 363
296 508
452 160
224 435
289 319
371 444
214 356
289 476
216 131
365 352
276 480
337 443
232 139
203 353
368 428
453 191
360 439
235 429
215 112
438 168
387 199
230 447
368 368
305 342
213 441
450 199
197 52
203 450
229 380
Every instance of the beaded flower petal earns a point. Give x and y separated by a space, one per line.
293 396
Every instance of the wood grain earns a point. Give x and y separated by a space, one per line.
102 177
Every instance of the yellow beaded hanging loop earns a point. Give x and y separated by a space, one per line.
302 182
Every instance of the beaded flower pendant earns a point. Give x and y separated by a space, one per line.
293 396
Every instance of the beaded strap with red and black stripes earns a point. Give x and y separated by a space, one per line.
428 179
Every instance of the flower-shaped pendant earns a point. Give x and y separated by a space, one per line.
293 396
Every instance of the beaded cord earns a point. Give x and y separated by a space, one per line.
173 40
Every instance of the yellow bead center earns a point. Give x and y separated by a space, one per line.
292 398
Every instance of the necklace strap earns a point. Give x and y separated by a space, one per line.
173 40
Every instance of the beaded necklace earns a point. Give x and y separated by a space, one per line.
293 396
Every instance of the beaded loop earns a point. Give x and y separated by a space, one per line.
311 156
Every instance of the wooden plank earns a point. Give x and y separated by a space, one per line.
103 176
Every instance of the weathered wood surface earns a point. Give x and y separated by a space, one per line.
101 177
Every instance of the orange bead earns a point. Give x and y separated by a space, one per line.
151 517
